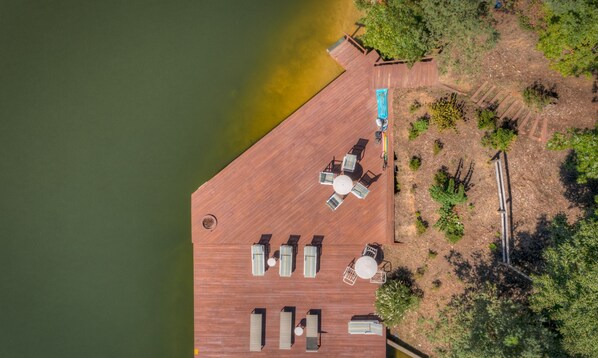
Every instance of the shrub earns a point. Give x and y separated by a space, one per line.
538 96
584 142
438 146
524 22
499 139
444 192
393 300
420 225
418 127
445 113
493 247
415 163
432 254
436 283
487 119
414 106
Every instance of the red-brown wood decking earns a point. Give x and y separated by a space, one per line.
273 189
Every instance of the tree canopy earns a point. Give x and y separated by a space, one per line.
585 144
568 290
408 30
570 36
481 324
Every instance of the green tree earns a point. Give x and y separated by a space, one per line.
499 139
444 192
585 144
395 28
393 300
487 119
570 36
461 30
446 112
568 290
481 324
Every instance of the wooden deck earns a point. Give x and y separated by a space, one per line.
272 189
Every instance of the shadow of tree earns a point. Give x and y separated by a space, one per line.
405 275
528 247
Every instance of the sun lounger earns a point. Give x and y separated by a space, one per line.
255 332
310 261
286 330
286 261
258 260
312 335
365 327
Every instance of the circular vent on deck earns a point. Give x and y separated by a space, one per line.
209 222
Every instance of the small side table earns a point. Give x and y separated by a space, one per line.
298 331
271 262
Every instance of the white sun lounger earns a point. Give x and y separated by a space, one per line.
286 261
310 261
312 336
255 332
286 330
258 260
365 327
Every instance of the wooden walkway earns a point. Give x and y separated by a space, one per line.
272 189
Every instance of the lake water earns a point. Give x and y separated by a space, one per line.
111 114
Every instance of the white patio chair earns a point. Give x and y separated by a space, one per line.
334 201
349 276
326 178
379 278
349 163
360 191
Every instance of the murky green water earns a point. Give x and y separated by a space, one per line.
111 114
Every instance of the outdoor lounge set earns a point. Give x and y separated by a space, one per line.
287 254
257 332
365 267
343 184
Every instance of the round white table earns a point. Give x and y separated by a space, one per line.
298 331
342 184
271 262
366 267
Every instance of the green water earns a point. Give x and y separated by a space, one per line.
111 114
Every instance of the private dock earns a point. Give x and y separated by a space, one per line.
271 194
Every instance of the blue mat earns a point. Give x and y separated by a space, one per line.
381 97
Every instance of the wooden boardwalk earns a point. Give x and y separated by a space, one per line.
272 189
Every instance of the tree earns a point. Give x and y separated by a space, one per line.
571 35
481 324
396 29
568 290
444 192
585 144
393 300
461 30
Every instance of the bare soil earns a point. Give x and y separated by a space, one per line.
539 187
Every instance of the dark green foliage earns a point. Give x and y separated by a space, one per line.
570 36
432 254
493 247
396 29
482 324
438 146
568 290
393 300
585 144
499 139
538 96
420 225
418 127
446 112
524 22
444 192
414 106
487 119
462 31
410 29
415 163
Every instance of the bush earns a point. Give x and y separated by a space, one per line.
415 163
538 96
487 119
414 106
420 225
432 254
393 300
499 139
438 146
444 192
585 144
445 113
418 127
524 22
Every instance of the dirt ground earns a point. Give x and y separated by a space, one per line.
538 187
